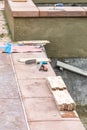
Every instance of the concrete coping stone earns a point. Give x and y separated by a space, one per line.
29 9
23 9
62 11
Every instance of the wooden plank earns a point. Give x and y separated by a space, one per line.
42 42
63 100
23 60
56 82
72 68
19 0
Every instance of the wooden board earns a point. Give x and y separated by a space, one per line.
72 68
56 82
34 42
23 60
63 100
19 0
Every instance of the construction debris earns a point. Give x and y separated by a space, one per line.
64 100
56 83
42 66
23 60
61 96
40 42
72 68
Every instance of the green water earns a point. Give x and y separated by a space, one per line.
82 112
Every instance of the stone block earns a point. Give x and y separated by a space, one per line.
61 11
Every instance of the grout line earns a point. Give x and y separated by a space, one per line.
62 119
38 97
10 98
20 95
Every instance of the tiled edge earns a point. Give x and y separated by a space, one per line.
23 9
57 125
62 12
29 9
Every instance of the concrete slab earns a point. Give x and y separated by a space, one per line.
16 56
31 70
5 64
8 86
56 125
40 109
23 9
34 88
11 115
61 11
4 59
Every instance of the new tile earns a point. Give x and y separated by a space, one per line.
40 109
34 88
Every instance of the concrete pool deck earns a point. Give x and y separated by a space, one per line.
26 102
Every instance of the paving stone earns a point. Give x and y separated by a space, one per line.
5 65
8 86
39 109
31 70
4 59
56 125
11 115
23 9
34 88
